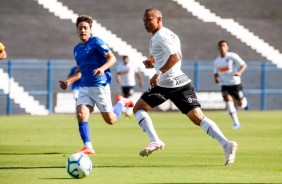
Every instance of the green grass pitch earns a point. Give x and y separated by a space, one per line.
34 150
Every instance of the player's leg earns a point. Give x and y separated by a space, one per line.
127 93
83 113
239 97
187 102
84 108
227 91
102 97
145 122
243 103
197 117
232 111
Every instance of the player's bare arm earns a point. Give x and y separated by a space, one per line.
216 78
241 70
139 78
76 76
111 60
148 64
118 77
172 60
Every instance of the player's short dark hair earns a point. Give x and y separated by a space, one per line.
84 18
221 42
155 10
124 57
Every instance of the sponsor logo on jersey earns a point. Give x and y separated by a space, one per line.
191 100
181 79
224 69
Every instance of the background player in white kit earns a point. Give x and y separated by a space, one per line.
170 82
228 68
126 72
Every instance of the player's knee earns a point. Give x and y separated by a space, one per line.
196 116
110 120
82 116
240 102
135 109
83 112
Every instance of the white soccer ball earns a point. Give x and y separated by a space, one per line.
79 165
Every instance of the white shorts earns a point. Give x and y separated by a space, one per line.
99 96
75 93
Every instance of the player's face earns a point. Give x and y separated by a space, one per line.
223 48
126 60
84 31
151 22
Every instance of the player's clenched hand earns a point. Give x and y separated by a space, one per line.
148 64
237 74
154 80
63 85
99 72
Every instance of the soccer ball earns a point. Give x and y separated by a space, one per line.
79 165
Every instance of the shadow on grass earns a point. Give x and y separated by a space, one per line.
69 178
36 167
48 153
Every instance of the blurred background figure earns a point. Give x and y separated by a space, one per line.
126 72
76 85
228 68
3 54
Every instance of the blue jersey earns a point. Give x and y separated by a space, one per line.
76 84
90 56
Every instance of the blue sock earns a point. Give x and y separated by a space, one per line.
118 109
84 131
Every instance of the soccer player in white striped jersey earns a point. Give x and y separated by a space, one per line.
170 82
228 68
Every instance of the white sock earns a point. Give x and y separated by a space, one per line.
146 124
244 103
129 111
88 144
232 111
212 129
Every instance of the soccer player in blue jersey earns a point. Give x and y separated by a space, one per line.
94 59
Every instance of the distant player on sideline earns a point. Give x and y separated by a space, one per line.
75 85
170 82
94 59
126 72
3 54
228 68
